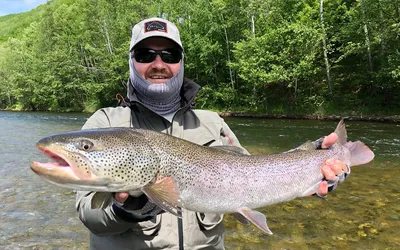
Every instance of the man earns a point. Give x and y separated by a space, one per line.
161 99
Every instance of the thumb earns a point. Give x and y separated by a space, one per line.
329 140
121 197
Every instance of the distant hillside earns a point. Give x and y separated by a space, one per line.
12 24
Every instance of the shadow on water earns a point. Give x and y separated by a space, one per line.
363 213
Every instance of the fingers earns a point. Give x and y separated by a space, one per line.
322 189
335 172
329 140
121 197
335 166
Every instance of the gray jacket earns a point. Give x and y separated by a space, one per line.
111 229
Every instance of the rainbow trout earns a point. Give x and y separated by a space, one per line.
176 174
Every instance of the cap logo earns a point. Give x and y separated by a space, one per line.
155 26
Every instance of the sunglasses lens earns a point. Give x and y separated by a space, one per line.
171 56
148 55
144 55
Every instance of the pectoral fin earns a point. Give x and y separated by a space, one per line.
165 194
101 200
255 217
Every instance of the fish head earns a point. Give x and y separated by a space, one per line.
113 160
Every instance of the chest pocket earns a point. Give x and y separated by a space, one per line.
147 228
201 136
209 231
208 221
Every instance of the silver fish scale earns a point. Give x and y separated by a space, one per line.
212 180
208 179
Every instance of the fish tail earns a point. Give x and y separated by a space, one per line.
359 153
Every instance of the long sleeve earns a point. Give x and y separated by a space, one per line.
101 222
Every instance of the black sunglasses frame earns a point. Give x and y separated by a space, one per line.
146 55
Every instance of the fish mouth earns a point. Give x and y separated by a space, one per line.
60 169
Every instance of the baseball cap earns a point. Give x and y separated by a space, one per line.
153 27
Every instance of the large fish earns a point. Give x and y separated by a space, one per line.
176 174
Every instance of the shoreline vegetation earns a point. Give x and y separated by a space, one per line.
271 59
327 117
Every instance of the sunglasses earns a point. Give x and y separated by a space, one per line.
145 55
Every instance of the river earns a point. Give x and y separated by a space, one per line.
363 213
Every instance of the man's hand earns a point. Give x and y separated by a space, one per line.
134 207
331 169
121 197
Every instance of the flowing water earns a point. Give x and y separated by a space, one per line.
363 213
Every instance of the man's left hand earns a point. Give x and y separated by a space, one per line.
331 169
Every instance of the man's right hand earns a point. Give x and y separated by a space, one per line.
121 197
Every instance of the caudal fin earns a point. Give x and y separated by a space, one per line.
360 153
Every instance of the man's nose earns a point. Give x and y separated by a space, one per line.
158 63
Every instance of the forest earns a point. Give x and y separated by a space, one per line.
255 56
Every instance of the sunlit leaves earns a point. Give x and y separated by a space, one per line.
251 55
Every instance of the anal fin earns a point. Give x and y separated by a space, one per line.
255 217
241 218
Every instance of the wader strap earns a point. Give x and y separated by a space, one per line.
180 231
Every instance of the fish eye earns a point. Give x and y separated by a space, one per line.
86 145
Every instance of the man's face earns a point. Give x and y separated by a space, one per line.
157 71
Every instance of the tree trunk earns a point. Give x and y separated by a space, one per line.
228 55
9 98
382 29
253 29
109 45
382 19
324 47
229 59
366 34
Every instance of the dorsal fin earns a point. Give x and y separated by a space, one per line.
341 132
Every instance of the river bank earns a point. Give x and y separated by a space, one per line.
327 117
372 118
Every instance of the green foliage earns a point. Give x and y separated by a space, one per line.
254 56
14 24
220 98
